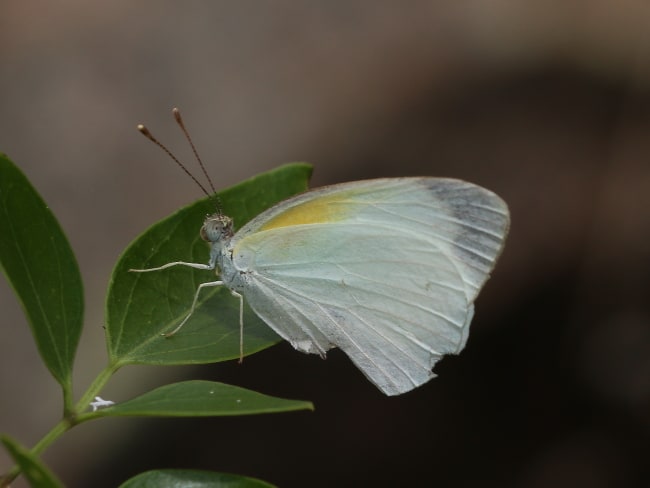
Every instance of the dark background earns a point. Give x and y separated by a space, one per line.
545 103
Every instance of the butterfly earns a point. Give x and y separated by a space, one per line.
387 270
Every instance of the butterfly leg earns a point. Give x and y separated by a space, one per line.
241 324
177 263
196 297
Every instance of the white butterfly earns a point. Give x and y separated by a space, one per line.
387 270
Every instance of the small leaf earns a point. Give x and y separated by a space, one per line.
199 398
142 306
40 266
185 478
35 472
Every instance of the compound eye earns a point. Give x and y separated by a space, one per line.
204 234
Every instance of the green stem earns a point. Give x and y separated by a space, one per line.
51 436
47 439
72 418
68 400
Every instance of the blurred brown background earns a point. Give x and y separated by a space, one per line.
546 103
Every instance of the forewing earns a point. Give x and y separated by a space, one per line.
387 270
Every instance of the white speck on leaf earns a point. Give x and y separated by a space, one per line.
100 403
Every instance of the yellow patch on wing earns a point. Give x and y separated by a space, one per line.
328 208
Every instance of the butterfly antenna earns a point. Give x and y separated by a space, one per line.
213 196
181 124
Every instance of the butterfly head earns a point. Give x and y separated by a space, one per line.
217 227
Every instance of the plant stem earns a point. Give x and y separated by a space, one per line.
70 420
62 426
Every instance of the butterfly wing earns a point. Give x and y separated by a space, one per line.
387 270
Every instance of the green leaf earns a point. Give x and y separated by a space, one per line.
142 306
31 467
40 266
199 398
185 478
